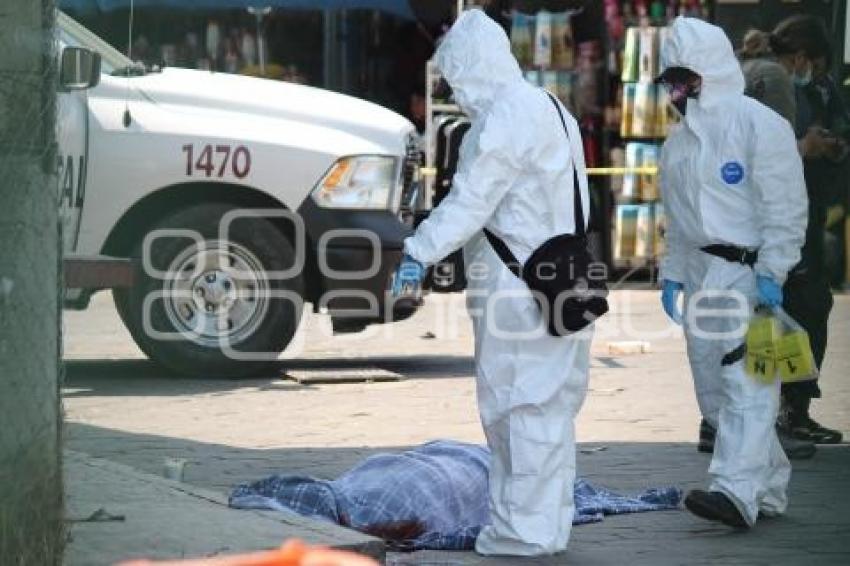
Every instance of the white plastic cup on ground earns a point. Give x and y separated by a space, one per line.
174 468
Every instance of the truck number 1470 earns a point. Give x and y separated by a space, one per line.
218 160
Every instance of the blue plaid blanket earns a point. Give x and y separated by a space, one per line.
431 497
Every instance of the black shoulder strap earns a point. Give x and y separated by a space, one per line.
577 205
504 253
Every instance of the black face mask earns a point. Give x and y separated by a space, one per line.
680 93
681 84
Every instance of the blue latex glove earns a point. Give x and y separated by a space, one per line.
770 292
409 274
670 291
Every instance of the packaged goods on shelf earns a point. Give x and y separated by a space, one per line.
522 38
618 159
643 116
634 155
550 81
645 232
662 112
648 182
630 56
663 34
627 119
635 232
563 45
543 39
625 231
641 186
641 54
564 89
648 61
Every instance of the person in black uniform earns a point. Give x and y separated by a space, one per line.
808 298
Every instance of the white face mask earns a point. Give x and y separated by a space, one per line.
805 78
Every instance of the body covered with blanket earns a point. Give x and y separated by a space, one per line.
431 497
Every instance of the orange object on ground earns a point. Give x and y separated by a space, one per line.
293 553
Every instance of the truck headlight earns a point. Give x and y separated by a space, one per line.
362 182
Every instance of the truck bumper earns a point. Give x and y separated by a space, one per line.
356 253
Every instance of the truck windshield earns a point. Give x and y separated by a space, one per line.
75 35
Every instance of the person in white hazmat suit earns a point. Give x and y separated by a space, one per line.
514 177
733 191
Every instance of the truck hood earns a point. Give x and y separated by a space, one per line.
196 92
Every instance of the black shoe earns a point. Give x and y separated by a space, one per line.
706 437
795 448
795 420
810 430
714 506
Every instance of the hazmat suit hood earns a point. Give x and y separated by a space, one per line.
475 59
705 50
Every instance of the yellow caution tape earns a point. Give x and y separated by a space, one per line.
597 171
614 171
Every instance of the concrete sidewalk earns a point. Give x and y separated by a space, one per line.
816 529
116 513
168 519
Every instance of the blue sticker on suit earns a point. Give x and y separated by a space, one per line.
732 172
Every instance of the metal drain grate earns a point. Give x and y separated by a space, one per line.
342 375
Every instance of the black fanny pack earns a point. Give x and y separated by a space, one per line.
560 273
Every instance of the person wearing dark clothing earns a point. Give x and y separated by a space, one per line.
808 99
773 63
767 79
405 81
808 298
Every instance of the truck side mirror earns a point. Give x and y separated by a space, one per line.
79 68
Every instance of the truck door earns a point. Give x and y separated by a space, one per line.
72 121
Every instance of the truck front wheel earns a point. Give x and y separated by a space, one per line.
209 305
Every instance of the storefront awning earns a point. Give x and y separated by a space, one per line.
397 7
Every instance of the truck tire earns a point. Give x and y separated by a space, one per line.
214 307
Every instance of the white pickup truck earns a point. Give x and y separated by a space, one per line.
215 206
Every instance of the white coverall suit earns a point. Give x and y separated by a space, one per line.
514 176
730 174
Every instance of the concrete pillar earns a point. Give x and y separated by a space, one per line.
30 465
